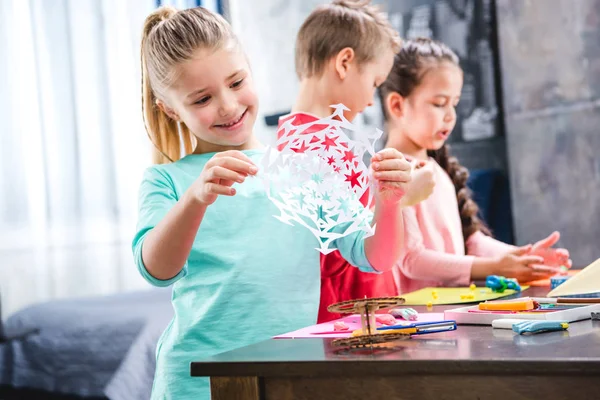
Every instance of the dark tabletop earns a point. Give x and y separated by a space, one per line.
468 350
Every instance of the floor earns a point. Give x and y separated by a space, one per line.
31 276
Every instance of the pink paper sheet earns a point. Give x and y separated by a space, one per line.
353 322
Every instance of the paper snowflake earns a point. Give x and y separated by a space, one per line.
318 177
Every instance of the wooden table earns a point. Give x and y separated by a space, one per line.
473 362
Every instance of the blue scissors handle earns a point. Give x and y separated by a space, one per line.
425 327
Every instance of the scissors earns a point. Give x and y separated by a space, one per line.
420 328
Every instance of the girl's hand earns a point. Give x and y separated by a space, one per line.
392 172
552 257
220 173
421 185
523 266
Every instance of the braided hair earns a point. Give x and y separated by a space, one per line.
410 65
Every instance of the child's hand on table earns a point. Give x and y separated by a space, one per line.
555 257
523 266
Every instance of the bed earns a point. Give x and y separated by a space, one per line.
101 347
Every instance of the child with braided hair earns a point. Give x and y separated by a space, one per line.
446 244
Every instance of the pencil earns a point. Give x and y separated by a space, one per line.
577 300
567 300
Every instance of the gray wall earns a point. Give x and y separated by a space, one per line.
466 26
550 62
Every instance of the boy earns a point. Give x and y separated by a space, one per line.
344 51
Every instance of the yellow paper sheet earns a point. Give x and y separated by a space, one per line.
428 295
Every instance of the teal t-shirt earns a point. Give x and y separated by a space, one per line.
248 277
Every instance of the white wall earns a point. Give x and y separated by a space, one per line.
267 30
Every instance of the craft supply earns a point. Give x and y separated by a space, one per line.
408 314
557 306
508 305
556 281
539 326
547 282
318 176
326 330
340 326
385 319
499 283
585 284
568 300
452 295
420 328
562 312
476 311
367 335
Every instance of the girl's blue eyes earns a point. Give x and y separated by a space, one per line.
234 85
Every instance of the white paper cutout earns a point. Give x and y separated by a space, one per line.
319 176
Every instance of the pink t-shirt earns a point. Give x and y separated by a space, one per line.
434 253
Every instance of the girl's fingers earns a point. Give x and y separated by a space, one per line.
545 269
530 260
392 176
553 256
215 188
235 164
394 164
539 275
547 242
519 251
226 182
235 154
218 172
387 154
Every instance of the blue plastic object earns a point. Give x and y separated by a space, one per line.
556 281
499 283
539 326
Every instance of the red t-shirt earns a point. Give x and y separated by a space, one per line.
340 280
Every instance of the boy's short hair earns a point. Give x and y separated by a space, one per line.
342 23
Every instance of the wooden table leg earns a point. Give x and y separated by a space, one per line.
239 388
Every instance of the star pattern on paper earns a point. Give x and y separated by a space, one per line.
318 177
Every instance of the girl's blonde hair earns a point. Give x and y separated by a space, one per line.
169 38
